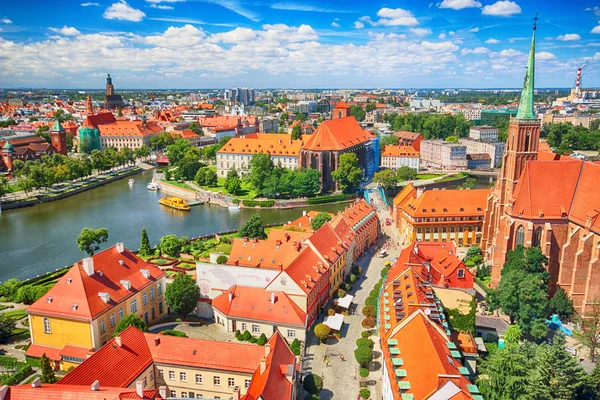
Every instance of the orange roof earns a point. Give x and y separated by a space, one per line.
399 151
129 128
356 213
437 203
304 221
342 229
406 135
326 242
545 152
76 295
74 392
270 254
307 269
342 104
225 121
275 382
185 134
260 305
285 235
36 351
338 134
274 144
408 193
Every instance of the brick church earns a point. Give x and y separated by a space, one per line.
550 204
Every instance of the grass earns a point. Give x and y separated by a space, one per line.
179 184
427 176
160 261
460 175
15 315
224 248
246 191
186 266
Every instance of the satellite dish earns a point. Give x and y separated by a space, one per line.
427 311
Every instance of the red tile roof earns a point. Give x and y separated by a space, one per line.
75 295
129 128
326 242
357 212
74 392
337 134
36 351
432 203
270 254
342 104
256 304
307 269
399 151
274 144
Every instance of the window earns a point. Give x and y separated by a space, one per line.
184 395
461 273
47 325
291 333
161 374
151 375
243 327
172 375
217 381
182 376
145 298
112 320
255 328
247 383
159 289
199 396
120 314
133 306
230 382
72 359
152 294
520 237
537 237
160 308
145 382
198 379
173 393
102 327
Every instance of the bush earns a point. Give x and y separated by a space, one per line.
313 383
221 259
369 311
357 270
322 331
351 278
262 339
364 372
363 355
365 334
329 199
331 312
246 335
341 293
364 393
384 271
259 203
374 293
377 286
295 346
368 323
14 379
371 301
173 332
237 332
253 340
365 342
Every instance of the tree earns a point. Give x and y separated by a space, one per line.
233 184
470 183
130 320
142 152
261 168
386 179
177 150
196 128
363 355
348 173
365 342
313 383
368 311
89 240
170 245
358 113
389 140
6 327
561 304
592 385
590 329
47 370
319 220
253 228
322 331
182 295
512 336
188 166
503 375
368 323
210 177
406 173
452 139
145 249
4 187
295 346
297 131
221 259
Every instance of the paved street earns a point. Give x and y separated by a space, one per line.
341 378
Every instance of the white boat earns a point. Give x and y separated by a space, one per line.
234 208
153 186
131 182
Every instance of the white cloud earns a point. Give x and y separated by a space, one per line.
307 7
597 57
474 30
236 7
442 36
477 50
123 11
596 29
460 4
358 25
66 31
544 56
509 53
90 4
335 24
498 66
502 8
238 35
396 17
187 35
161 7
492 41
5 21
164 1
569 37
452 33
420 31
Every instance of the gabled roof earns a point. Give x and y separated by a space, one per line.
326 242
405 194
437 203
410 136
337 134
75 392
260 305
399 151
270 254
76 295
342 104
357 212
307 269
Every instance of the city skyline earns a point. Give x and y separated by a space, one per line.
160 44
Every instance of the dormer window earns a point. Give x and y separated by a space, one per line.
461 273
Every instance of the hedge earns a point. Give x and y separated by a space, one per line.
329 199
259 203
17 377
173 332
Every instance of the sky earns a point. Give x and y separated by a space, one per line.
162 44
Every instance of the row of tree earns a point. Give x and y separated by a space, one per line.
388 179
565 137
432 126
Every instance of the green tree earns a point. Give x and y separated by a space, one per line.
182 295
130 320
89 240
4 187
561 304
170 245
319 220
142 152
590 328
145 249
368 311
196 128
313 383
46 369
210 177
177 150
253 228
504 374
233 184
358 113
297 132
261 168
386 179
406 173
188 166
470 183
322 331
452 139
283 118
512 336
592 385
348 173
6 328
363 355
305 182
389 140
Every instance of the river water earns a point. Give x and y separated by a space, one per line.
39 239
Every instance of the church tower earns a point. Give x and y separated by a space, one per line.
58 136
89 106
521 147
110 89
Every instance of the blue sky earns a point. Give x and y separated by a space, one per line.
295 44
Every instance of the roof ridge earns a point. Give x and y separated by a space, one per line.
576 188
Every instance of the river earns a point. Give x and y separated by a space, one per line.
39 239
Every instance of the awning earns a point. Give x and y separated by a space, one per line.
36 351
334 322
345 301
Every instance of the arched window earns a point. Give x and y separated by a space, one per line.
537 237
47 325
520 238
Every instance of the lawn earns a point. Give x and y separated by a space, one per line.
427 176
179 184
245 193
453 177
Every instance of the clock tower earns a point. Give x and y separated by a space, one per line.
58 137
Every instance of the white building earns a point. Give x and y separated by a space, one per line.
484 133
494 149
471 114
394 157
441 154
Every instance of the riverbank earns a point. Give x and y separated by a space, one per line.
73 189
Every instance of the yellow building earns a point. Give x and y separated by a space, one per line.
81 311
441 215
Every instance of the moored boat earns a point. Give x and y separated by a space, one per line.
175 202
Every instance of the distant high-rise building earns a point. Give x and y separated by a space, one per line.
242 95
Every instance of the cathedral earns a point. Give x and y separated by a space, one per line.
112 101
553 205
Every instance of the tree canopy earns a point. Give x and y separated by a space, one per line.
145 249
319 220
431 126
253 228
182 295
130 320
348 173
89 240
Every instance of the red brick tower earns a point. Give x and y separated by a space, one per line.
341 110
7 155
90 107
59 138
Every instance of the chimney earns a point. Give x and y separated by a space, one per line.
146 273
272 298
88 266
156 341
162 391
267 349
4 392
263 366
37 382
237 393
304 213
120 247
139 389
126 284
230 296
119 341
96 386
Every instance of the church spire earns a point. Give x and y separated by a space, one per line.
90 107
526 110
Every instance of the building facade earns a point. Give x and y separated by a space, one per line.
484 133
495 150
438 153
395 157
112 101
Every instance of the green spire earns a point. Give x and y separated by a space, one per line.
526 110
8 146
57 127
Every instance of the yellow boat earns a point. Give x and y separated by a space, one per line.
175 202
